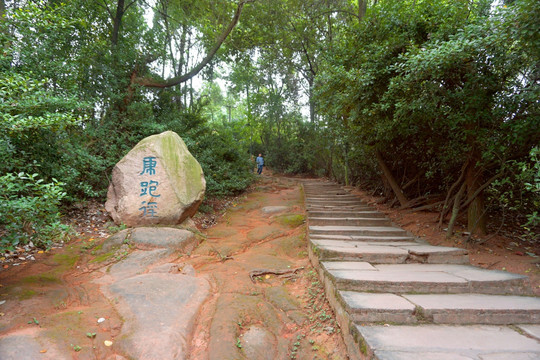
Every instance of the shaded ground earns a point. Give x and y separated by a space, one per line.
53 303
490 252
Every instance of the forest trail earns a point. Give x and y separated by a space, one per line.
78 303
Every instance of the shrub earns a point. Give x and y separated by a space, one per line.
29 211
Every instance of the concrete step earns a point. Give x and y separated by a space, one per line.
387 252
348 221
357 230
422 278
441 308
370 238
445 342
341 214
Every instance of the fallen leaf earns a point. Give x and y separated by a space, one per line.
40 252
267 277
2 314
108 343
43 351
6 266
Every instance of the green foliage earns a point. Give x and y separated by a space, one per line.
29 211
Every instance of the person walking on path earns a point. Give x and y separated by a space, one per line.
260 163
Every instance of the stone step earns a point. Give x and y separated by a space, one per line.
335 203
422 278
445 342
338 208
341 214
441 308
387 253
371 238
335 195
349 221
357 230
323 190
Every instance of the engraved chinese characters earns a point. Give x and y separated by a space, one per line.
149 188
157 182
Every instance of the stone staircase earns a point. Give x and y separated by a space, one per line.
398 298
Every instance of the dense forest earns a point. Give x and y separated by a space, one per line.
433 104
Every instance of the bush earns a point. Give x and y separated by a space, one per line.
29 211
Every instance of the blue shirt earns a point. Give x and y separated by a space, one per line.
259 161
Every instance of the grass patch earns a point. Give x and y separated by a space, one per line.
44 278
291 220
103 257
26 294
67 260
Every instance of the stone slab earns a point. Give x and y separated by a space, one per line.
456 342
153 237
163 237
388 254
370 253
371 307
351 275
273 209
338 214
421 249
531 330
161 307
477 308
357 230
474 301
354 243
349 221
346 265
357 300
361 238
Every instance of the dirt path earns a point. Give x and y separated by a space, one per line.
53 305
275 317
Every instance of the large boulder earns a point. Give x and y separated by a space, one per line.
157 182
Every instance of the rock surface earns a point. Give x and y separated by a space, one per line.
157 182
160 307
158 237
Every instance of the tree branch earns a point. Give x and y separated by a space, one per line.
149 82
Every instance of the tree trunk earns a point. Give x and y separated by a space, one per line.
476 219
455 211
362 8
117 22
311 101
391 180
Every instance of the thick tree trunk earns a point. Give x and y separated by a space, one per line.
476 219
391 180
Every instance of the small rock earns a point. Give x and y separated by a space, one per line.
100 320
2 302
